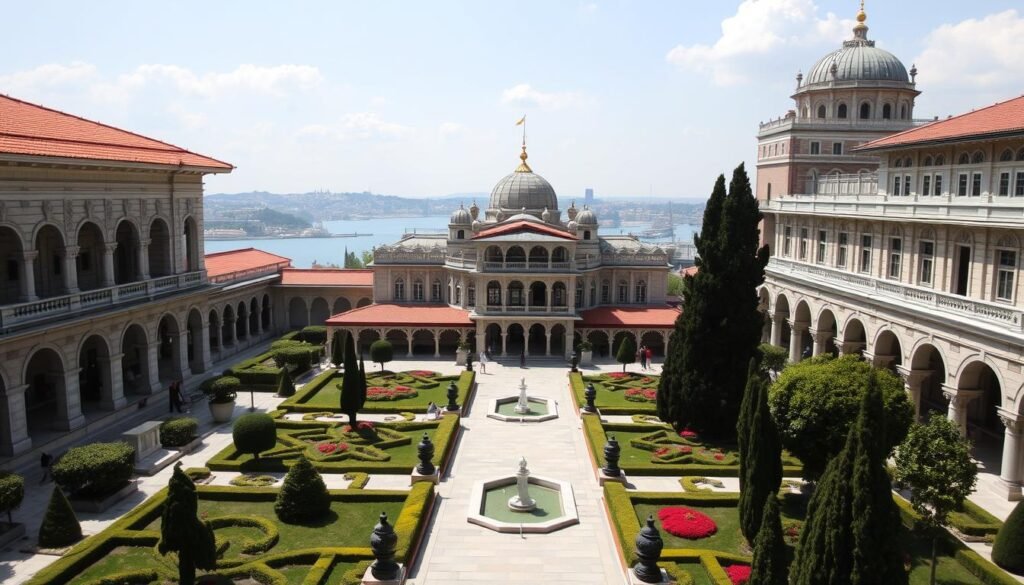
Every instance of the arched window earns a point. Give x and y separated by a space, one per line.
927 161
586 234
593 293
887 112
493 294
623 292
435 291
903 112
842 111
1020 154
558 297
964 159
865 111
908 162
399 289
899 163
640 295
460 235
821 111
1006 156
940 160
458 294
978 158
471 296
769 191
417 290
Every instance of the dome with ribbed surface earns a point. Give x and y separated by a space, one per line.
858 60
586 218
523 189
460 217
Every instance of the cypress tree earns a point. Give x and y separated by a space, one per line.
719 329
303 494
743 423
771 562
353 383
626 353
764 465
337 349
60 526
182 531
285 386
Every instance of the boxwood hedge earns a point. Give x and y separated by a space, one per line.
95 470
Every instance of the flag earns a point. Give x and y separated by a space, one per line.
521 121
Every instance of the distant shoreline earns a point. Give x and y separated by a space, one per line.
281 237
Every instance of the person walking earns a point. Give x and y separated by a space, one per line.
176 398
640 358
648 356
483 362
45 461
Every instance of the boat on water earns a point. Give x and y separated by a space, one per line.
658 233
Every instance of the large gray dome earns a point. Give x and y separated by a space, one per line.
523 189
858 60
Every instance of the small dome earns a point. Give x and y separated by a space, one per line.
586 218
858 60
572 226
474 210
523 189
460 217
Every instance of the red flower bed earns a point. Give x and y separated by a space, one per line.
380 393
423 373
688 434
330 448
618 375
686 449
361 425
661 451
642 395
738 574
686 522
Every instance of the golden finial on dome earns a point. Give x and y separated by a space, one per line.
523 167
862 16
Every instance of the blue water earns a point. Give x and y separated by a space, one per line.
303 251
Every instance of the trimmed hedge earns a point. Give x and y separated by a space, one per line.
178 432
95 470
972 520
358 479
247 480
12 492
251 547
197 473
315 334
297 403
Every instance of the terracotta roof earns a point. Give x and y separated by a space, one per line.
34 130
410 315
326 277
222 266
655 317
689 271
997 119
521 226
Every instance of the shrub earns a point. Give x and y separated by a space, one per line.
254 433
178 432
381 352
303 495
586 346
1008 550
197 473
253 481
772 357
223 389
95 470
12 492
315 334
285 386
299 357
60 527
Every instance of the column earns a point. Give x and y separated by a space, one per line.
504 343
437 343
1009 475
547 299
108 263
181 344
143 259
12 408
958 400
850 347
408 340
70 268
113 398
153 360
820 339
777 322
547 350
796 339
913 382
69 406
28 278
207 359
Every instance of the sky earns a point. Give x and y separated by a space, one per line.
421 98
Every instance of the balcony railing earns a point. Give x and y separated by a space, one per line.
1009 317
69 305
531 309
833 123
527 266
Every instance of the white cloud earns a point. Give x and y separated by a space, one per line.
979 54
277 80
525 95
356 126
450 129
759 29
46 77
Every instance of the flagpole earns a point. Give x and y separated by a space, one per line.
524 130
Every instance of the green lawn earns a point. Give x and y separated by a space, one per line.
611 392
728 538
323 393
124 558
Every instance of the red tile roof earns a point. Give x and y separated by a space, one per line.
995 120
689 271
411 315
223 266
30 129
652 317
521 226
326 277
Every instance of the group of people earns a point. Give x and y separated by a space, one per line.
643 355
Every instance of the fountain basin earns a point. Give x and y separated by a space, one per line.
555 505
541 409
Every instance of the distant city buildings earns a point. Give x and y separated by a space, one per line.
588 196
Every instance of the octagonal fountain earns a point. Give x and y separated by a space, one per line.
523 503
523 408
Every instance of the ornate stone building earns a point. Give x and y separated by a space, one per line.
516 278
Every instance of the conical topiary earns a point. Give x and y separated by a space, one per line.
182 532
763 468
743 423
303 495
1008 550
285 386
337 349
60 527
627 352
771 562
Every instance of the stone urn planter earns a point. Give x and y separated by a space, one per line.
460 356
586 356
222 411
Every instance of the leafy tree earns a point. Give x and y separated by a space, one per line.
182 532
12 492
285 385
675 285
718 331
815 402
382 352
626 353
353 382
60 527
934 461
771 556
337 349
1008 550
303 494
773 358
254 433
764 462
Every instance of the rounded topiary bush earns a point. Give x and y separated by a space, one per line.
381 352
95 470
60 526
254 433
12 492
303 495
299 357
178 432
315 334
1008 549
223 389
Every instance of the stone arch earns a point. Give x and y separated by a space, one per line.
559 255
600 342
983 425
558 341
12 252
214 325
538 294
242 322
135 367
887 349
423 342
782 316
515 254
160 262
126 255
227 334
826 322
493 293
654 340
854 336
802 321
617 340
364 302
927 361
89 265
449 341
399 339
254 316
298 317
190 235
266 314
493 254
195 346
492 339
169 349
95 383
536 339
342 304
49 262
559 296
515 339
365 338
319 312
46 395
538 256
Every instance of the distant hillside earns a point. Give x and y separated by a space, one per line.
322 206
